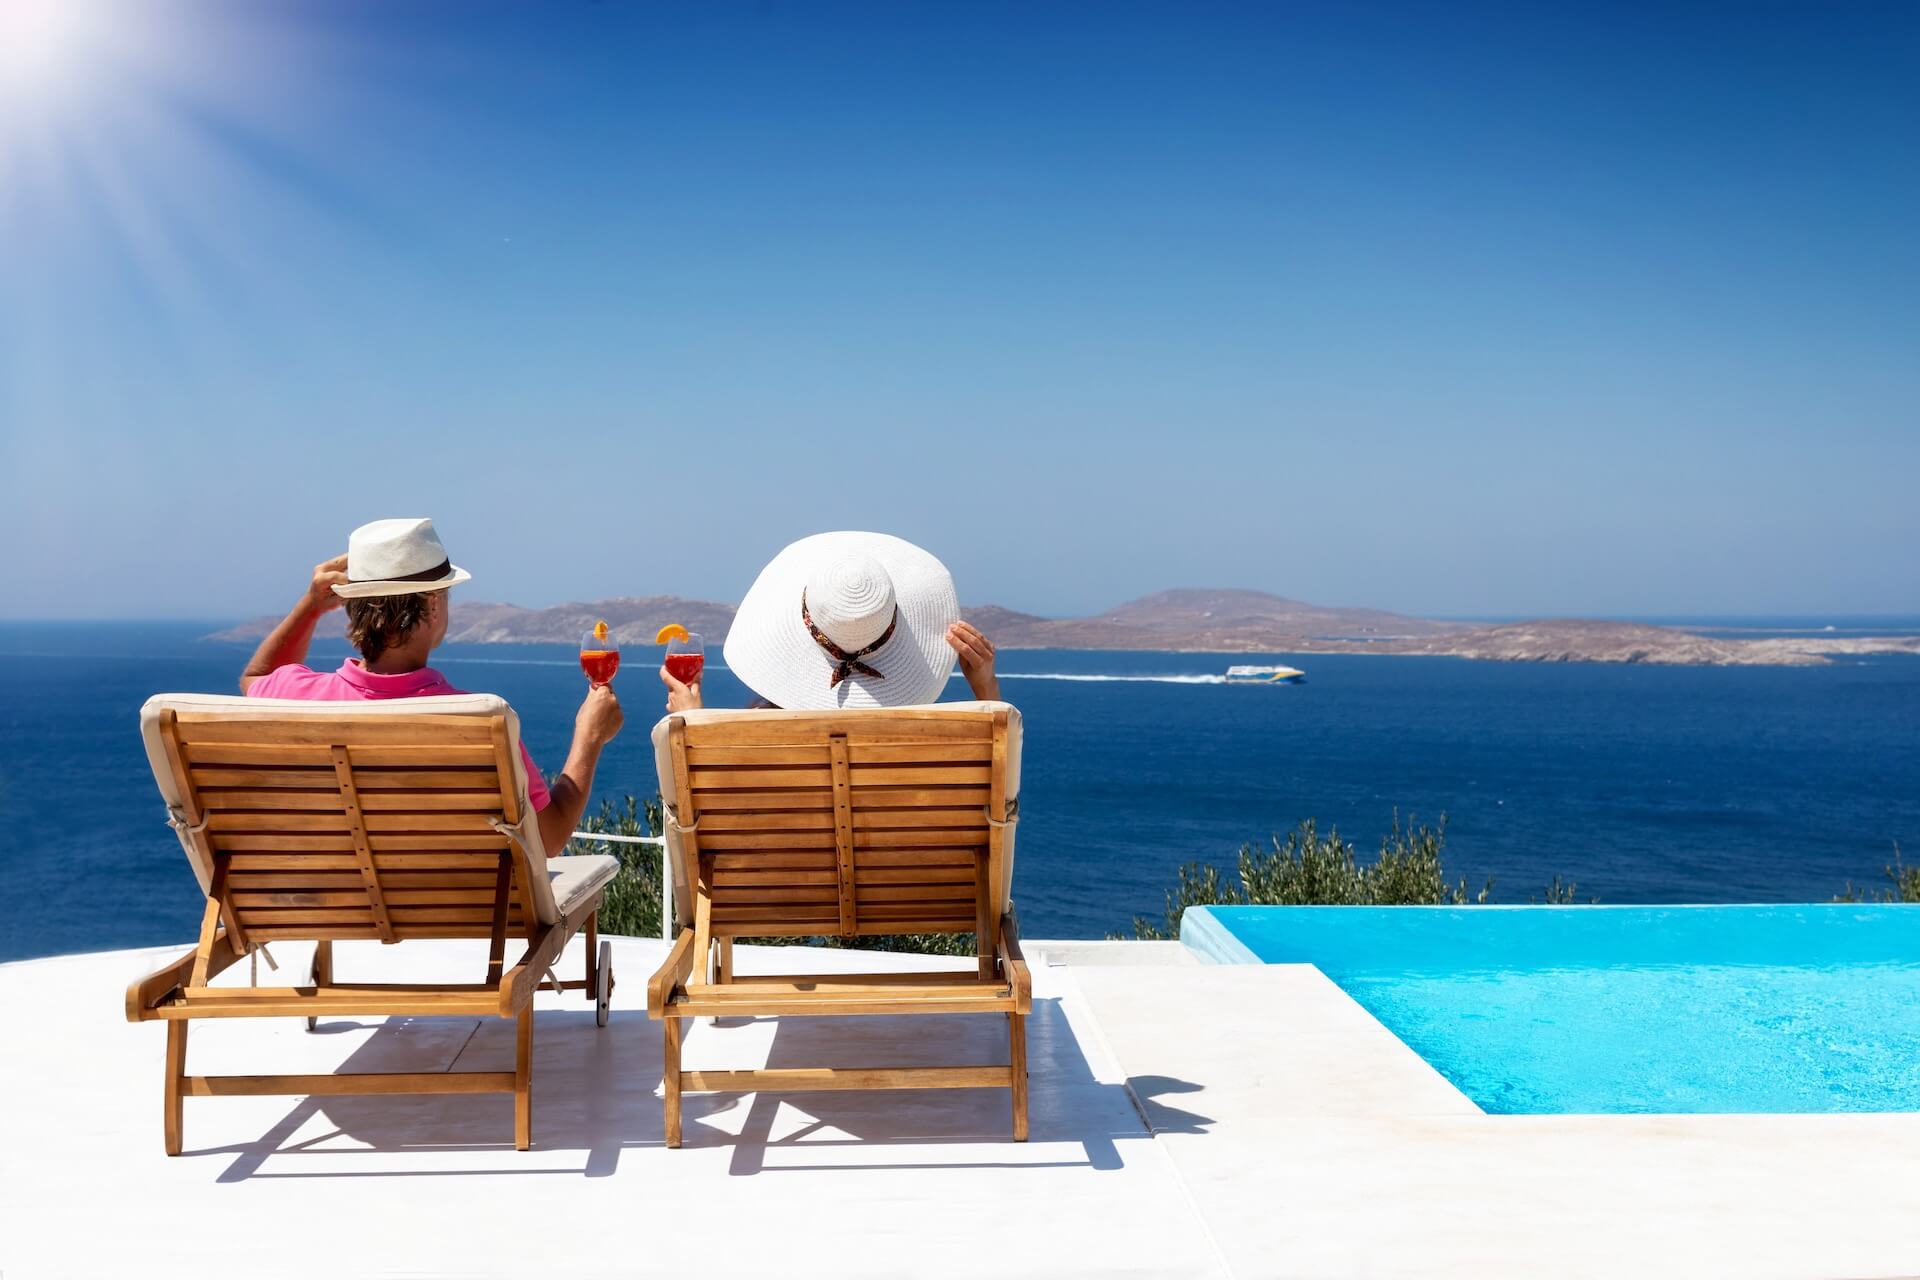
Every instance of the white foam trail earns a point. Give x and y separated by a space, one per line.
1090 679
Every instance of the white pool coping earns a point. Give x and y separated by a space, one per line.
1211 941
1188 1120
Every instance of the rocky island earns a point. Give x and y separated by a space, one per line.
1199 621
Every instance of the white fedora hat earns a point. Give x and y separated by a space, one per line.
397 558
846 620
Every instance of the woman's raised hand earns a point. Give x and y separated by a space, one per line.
976 660
680 697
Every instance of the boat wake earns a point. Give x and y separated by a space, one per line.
1098 679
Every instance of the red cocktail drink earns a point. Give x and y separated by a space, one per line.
600 664
686 667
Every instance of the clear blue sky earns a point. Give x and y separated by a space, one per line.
1437 307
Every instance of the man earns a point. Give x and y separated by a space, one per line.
394 581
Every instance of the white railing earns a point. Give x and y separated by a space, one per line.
666 872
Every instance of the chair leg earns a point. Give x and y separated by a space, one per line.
593 953
671 1079
322 970
176 1074
1017 1066
523 1081
723 963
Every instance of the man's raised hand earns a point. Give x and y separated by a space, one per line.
320 596
599 719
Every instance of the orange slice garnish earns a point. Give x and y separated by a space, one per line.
672 631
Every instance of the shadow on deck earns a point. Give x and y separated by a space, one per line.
596 1090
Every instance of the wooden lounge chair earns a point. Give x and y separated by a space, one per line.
316 821
848 823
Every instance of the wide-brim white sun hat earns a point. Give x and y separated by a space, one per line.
397 558
855 586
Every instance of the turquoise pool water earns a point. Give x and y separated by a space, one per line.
1554 1010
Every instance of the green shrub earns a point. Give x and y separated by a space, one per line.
631 906
1561 893
1905 884
1200 884
1309 869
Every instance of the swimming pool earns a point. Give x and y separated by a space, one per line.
1557 1010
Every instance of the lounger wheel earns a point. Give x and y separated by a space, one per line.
603 985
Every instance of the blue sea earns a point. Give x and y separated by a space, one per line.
1641 784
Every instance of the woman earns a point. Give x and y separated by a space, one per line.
850 620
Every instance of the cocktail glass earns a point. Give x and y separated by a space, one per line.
599 654
686 658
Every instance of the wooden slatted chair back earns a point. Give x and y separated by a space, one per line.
849 823
311 825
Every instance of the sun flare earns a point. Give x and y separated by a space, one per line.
39 41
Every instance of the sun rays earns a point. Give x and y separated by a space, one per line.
160 185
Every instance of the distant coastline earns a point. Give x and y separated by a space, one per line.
1207 621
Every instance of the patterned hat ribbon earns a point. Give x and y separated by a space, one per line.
848 664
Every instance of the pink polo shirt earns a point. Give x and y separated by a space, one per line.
354 683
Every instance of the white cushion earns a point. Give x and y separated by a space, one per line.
577 878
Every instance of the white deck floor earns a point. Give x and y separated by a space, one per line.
1187 1121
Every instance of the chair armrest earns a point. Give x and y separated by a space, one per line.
1014 965
672 973
519 983
145 994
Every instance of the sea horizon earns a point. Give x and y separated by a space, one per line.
1895 622
1640 784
